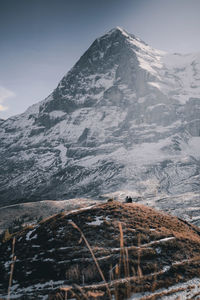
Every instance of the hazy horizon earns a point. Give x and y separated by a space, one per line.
42 40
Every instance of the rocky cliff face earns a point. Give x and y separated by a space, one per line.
137 248
125 117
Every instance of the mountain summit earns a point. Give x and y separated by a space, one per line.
125 117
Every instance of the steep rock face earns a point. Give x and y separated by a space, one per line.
53 253
125 117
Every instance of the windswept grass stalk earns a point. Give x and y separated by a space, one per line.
125 258
153 288
121 240
73 294
11 268
127 262
65 295
59 297
139 271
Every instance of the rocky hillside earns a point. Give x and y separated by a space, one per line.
125 117
138 250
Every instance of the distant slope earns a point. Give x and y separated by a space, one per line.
160 250
31 212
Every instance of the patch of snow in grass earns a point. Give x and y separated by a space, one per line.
49 259
29 234
188 293
98 221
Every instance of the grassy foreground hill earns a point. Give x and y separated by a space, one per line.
100 252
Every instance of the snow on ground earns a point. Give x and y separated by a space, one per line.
155 84
28 238
190 287
63 154
80 209
183 74
148 244
56 114
193 147
17 292
142 154
98 221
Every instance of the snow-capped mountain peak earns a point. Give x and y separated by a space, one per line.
117 29
125 117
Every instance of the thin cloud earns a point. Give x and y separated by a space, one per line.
4 95
3 108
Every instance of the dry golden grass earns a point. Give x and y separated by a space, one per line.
121 254
116 281
170 225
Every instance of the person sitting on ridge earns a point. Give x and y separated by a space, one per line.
128 199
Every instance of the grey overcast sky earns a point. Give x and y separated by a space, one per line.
40 40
